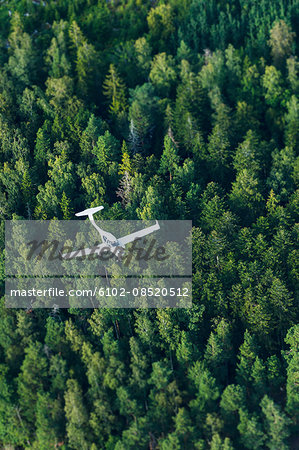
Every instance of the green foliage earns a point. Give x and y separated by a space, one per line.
245 196
143 54
276 424
114 90
57 54
169 158
32 380
22 61
65 206
272 83
252 435
160 22
185 109
143 115
281 40
162 73
292 357
77 428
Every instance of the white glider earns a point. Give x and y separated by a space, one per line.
109 240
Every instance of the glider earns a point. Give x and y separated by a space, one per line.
109 240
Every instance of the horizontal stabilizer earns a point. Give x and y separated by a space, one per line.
89 211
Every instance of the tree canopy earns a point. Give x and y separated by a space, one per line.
176 109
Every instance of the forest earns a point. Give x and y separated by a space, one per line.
174 109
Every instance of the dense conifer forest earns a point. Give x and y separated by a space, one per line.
179 109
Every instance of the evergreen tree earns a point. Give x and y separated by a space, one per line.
281 40
65 206
170 158
292 357
162 73
203 96
114 90
252 435
32 380
77 428
276 424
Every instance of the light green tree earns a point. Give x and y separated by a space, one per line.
160 22
77 428
114 91
276 424
162 73
170 158
281 41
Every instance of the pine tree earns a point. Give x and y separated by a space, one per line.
245 197
218 351
114 91
276 424
57 54
77 428
22 61
27 188
281 40
31 380
169 158
247 356
85 59
65 206
143 54
219 154
292 120
292 357
160 22
125 165
205 388
48 420
162 74
144 117
252 435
